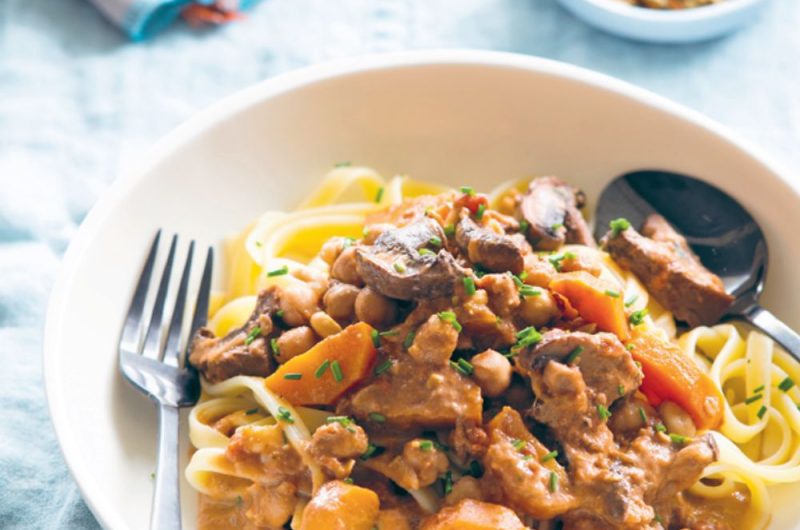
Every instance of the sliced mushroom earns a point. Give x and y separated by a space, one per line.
394 267
494 252
552 209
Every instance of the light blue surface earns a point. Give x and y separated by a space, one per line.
77 102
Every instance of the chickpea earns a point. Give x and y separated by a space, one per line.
538 310
295 341
344 268
540 271
492 372
331 249
340 301
298 302
464 488
627 417
324 325
316 279
434 342
676 419
374 308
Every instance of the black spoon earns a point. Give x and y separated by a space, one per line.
724 236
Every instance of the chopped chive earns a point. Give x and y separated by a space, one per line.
379 194
475 469
643 415
603 412
372 450
348 480
570 255
337 371
254 333
385 365
527 457
525 338
621 390
259 244
239 500
753 399
553 483
637 317
630 347
556 226
376 338
758 389
322 367
449 316
618 225
679 438
657 518
450 230
480 211
377 417
365 231
426 445
517 280
342 164
467 190
469 286
409 340
463 366
273 343
279 313
284 415
528 290
523 275
436 241
389 333
632 300
549 456
250 412
447 483
761 412
399 266
348 241
517 443
426 252
345 421
279 272
293 375
555 260
786 384
574 354
523 226
659 427
612 294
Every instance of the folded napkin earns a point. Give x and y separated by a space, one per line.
142 19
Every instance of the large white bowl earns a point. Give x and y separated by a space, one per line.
462 117
666 26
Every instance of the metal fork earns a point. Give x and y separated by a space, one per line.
154 366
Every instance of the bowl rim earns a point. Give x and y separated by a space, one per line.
219 111
671 16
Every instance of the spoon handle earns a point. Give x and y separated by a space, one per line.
772 326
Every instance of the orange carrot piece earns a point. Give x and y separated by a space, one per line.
331 367
338 505
595 301
670 375
474 515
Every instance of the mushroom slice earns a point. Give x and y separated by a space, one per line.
394 267
494 252
551 208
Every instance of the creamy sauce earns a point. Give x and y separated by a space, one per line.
216 514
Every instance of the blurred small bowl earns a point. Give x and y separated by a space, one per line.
665 26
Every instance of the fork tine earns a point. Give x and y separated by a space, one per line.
203 294
152 341
171 352
133 321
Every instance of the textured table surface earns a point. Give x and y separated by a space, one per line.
77 101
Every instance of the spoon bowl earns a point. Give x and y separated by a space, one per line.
720 231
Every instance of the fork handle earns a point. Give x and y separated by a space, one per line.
166 514
772 326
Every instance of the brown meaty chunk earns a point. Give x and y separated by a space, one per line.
493 251
220 358
394 267
413 394
335 446
419 464
672 273
551 208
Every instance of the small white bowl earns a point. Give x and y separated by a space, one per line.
665 26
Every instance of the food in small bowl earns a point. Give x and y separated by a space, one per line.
670 4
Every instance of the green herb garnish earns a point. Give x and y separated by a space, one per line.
618 225
279 272
449 316
337 371
254 333
469 286
293 375
322 367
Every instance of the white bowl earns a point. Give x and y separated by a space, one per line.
462 117
666 26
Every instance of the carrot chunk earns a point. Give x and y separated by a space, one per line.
670 375
329 369
595 301
341 506
474 515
